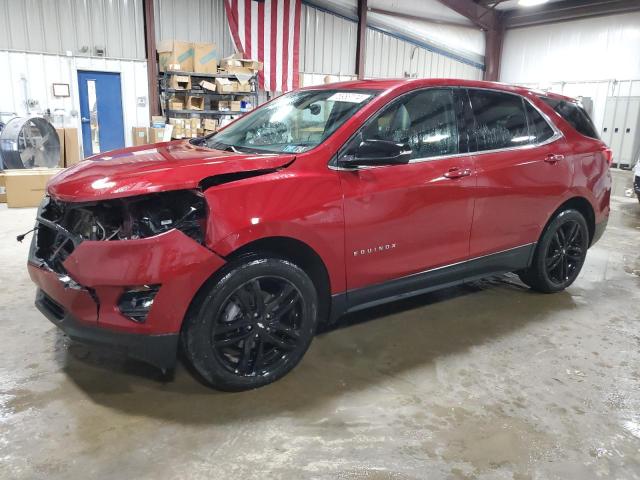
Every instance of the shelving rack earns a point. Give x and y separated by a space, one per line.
166 93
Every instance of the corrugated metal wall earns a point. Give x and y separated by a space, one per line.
327 43
390 57
78 26
328 47
195 21
42 70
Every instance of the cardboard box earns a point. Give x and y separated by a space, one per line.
180 82
139 136
251 64
3 190
205 58
222 105
195 123
230 62
156 134
210 124
208 86
176 103
234 105
178 131
175 52
244 86
71 147
157 121
224 85
26 188
195 103
60 132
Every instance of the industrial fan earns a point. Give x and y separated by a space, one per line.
28 143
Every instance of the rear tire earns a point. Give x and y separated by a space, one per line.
252 324
559 255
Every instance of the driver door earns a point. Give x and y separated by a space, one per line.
408 218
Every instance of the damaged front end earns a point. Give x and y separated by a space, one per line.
122 270
62 226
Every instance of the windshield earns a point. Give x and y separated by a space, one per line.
293 123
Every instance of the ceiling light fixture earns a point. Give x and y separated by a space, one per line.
531 3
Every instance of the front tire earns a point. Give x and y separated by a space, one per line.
559 255
253 324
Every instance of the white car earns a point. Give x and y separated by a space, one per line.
636 180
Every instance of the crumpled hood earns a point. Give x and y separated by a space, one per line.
153 168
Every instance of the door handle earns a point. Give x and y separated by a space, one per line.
85 119
553 158
456 172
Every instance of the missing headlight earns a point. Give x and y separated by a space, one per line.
132 217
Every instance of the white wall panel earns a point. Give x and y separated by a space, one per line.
79 26
327 43
42 70
600 48
328 47
195 21
390 57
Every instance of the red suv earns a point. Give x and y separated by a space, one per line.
323 201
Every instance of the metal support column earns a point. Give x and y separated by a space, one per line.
152 66
361 41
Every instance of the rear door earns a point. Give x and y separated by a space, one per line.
523 167
403 219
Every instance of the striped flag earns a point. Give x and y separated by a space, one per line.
269 31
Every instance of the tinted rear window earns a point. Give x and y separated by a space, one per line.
574 114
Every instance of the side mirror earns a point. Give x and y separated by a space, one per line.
377 152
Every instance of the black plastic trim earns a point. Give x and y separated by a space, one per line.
423 282
599 230
157 350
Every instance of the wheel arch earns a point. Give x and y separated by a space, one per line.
287 248
299 253
582 205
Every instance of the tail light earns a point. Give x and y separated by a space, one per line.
608 155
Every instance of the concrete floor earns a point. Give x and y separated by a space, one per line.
487 381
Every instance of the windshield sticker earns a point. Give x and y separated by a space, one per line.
349 97
294 149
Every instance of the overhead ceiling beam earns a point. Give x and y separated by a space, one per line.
480 15
408 16
488 19
567 10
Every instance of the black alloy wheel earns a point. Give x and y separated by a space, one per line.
560 253
565 253
258 326
251 324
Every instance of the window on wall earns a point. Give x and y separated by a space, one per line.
424 120
574 114
500 120
539 129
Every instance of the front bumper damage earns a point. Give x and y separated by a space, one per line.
82 298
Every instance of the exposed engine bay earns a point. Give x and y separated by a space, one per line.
62 226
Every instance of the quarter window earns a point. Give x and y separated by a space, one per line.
539 129
500 120
424 120
574 114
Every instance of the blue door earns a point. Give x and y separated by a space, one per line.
100 111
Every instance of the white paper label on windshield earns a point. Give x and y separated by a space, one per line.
349 97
